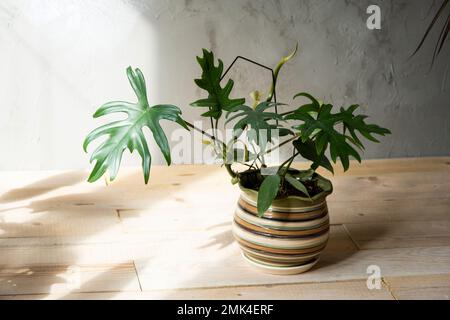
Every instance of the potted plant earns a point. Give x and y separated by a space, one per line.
281 220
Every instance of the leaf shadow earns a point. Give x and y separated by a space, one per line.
42 186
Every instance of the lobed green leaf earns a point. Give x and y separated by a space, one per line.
127 134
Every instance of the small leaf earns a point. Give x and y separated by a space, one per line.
305 175
267 193
297 184
277 70
256 97
315 103
218 97
261 123
308 151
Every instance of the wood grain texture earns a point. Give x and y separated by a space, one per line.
65 279
400 234
323 290
222 269
430 287
388 209
164 239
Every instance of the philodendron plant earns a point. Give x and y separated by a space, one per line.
312 129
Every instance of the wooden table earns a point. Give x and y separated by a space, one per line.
61 237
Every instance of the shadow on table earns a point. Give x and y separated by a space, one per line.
43 186
222 239
12 268
101 198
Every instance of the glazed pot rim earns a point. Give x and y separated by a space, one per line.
323 183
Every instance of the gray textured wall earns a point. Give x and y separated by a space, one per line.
61 59
340 60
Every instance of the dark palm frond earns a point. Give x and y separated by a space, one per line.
444 32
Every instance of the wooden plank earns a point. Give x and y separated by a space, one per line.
326 291
133 176
400 234
430 287
64 279
402 186
12 182
42 178
179 214
130 192
47 221
225 267
388 210
78 254
43 251
212 258
376 167
162 249
346 188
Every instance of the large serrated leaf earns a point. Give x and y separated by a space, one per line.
127 134
317 132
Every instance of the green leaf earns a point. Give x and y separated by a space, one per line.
315 106
319 130
218 98
297 184
308 150
354 123
257 119
267 193
127 134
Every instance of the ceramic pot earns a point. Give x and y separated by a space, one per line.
290 236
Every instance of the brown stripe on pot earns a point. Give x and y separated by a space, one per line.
280 243
282 224
281 233
297 261
276 263
281 251
279 256
290 215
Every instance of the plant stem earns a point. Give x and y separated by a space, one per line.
281 144
288 162
286 113
224 146
203 132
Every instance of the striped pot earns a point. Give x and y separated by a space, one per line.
289 237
